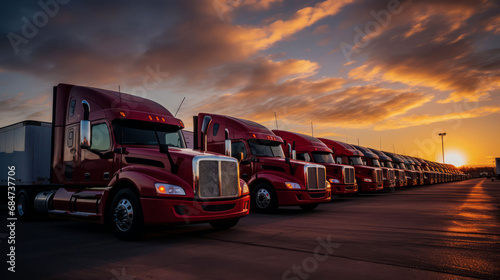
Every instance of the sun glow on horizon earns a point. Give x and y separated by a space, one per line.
455 157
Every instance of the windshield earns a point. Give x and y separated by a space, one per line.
322 157
402 165
388 164
355 161
132 132
265 148
375 163
412 167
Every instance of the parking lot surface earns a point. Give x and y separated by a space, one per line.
445 231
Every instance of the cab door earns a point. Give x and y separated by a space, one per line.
97 162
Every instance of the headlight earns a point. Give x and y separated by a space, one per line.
368 180
162 188
291 185
244 189
333 181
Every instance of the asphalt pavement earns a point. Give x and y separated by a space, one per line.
445 231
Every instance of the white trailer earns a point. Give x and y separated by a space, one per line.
26 145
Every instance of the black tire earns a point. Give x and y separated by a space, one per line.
25 208
263 198
125 216
309 207
224 224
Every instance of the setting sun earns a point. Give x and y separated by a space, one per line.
455 157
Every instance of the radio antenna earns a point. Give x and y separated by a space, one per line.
179 106
312 129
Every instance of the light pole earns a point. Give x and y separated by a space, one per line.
442 142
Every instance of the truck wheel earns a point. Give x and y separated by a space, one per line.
224 224
25 209
125 216
264 198
309 207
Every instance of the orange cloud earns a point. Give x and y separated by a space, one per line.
414 120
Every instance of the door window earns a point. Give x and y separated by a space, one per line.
100 137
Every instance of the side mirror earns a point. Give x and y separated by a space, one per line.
85 134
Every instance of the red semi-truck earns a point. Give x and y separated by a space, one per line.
307 148
417 171
386 161
121 160
399 168
429 175
411 174
274 180
372 159
368 178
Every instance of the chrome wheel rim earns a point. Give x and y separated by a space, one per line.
124 215
263 198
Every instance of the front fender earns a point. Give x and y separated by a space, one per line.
145 178
276 179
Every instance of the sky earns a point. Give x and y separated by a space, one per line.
386 74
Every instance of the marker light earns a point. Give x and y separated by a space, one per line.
169 189
163 119
328 186
150 118
292 185
122 114
161 189
158 119
245 189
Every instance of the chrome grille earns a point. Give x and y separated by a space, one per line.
216 177
315 177
348 175
401 176
390 175
377 176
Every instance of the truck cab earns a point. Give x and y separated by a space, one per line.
373 159
309 149
411 174
416 166
274 180
399 167
122 160
429 175
369 179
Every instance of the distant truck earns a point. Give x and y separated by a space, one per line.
310 149
274 180
399 168
372 159
369 179
118 159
